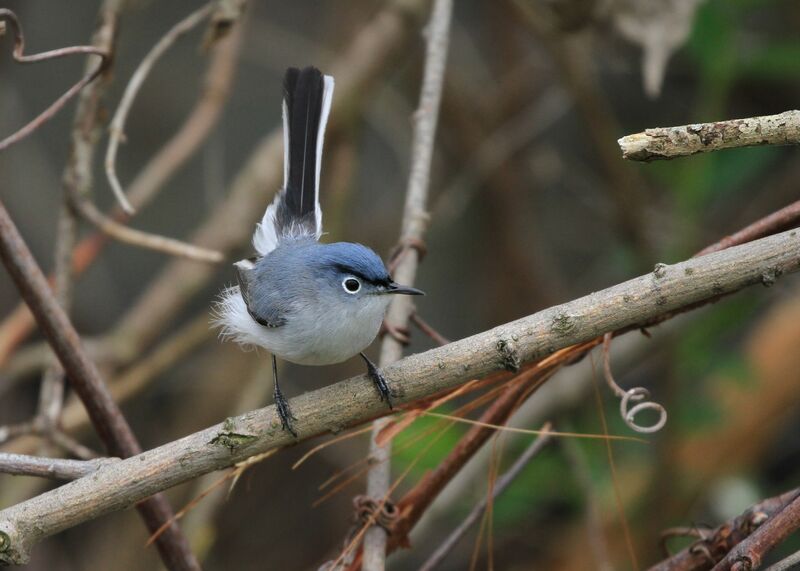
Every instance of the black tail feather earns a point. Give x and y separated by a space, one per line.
304 89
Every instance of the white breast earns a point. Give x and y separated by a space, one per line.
309 337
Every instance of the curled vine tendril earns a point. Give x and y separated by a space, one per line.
634 395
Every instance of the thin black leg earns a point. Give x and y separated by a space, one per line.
374 373
281 403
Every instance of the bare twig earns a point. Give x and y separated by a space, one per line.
500 486
749 554
786 564
77 178
11 431
415 221
200 122
117 126
715 544
137 377
81 200
69 444
426 328
85 379
51 393
8 18
671 142
414 504
53 468
782 219
141 239
416 377
155 174
40 427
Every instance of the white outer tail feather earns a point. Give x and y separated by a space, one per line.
265 237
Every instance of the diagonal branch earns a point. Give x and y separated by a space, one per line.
714 544
110 424
749 554
671 142
354 401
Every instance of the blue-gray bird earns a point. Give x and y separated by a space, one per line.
306 302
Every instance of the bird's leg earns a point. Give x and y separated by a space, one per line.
374 373
281 403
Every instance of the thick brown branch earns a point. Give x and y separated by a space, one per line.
702 554
84 377
749 554
671 142
153 177
354 401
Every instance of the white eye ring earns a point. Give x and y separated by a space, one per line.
351 285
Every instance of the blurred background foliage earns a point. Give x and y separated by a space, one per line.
531 206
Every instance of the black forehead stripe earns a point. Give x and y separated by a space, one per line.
386 280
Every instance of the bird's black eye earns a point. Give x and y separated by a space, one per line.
351 285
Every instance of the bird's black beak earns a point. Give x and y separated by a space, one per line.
405 290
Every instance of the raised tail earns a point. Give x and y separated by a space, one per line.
296 211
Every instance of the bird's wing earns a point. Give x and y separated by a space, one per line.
296 211
264 316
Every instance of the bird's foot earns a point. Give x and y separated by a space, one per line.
285 413
377 377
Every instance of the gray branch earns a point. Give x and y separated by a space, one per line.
53 468
671 142
354 401
415 221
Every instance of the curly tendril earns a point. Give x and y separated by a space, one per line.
633 395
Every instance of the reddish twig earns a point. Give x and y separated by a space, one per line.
502 483
110 424
749 553
779 220
425 327
768 225
10 19
417 500
713 545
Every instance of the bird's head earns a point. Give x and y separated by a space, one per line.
357 275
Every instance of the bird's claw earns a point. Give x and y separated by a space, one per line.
285 414
377 377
